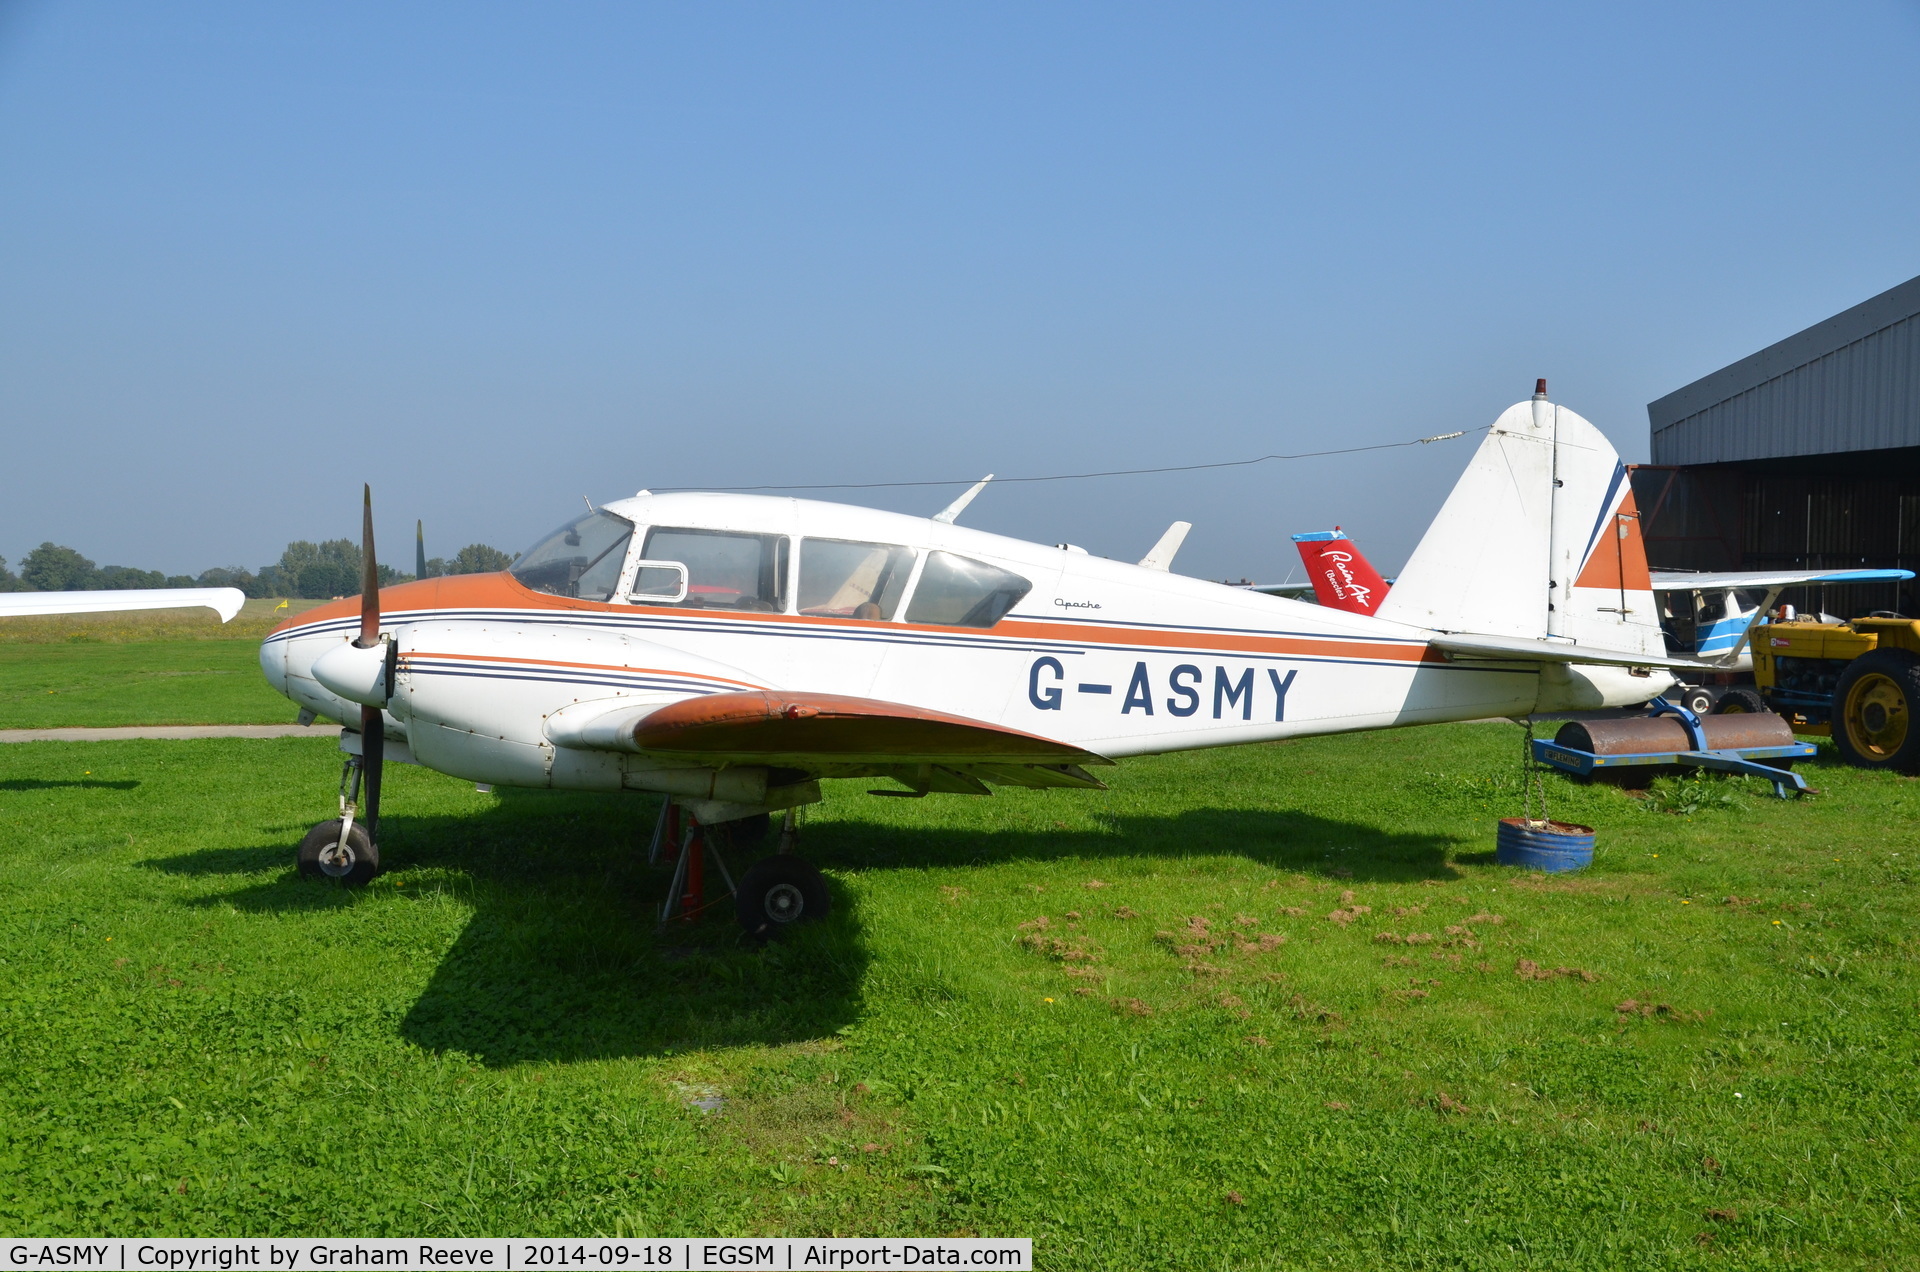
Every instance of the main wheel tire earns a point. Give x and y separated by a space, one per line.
1873 711
778 892
318 860
1741 702
1698 700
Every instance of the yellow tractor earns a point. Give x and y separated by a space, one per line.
1858 681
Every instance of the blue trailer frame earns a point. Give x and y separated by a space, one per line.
1744 760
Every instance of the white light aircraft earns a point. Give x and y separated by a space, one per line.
733 651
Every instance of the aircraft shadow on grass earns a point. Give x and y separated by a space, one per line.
82 783
562 959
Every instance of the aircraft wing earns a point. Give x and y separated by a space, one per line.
1292 591
1681 581
833 735
224 601
1520 649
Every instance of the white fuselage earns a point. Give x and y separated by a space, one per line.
1119 659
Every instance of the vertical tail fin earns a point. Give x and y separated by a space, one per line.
1342 578
1539 539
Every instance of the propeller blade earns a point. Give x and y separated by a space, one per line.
373 731
373 755
369 577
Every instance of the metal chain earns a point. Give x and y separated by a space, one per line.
1532 781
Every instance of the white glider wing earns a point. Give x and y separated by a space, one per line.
1682 581
224 601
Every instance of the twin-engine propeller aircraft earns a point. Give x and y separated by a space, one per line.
734 651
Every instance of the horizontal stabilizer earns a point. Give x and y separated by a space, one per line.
1524 649
224 601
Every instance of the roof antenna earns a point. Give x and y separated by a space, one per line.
1160 555
589 503
946 515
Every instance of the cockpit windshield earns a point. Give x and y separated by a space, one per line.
581 559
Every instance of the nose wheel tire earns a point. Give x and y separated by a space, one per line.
1873 706
322 856
778 892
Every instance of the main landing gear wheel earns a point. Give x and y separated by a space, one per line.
322 856
1697 700
1873 705
778 892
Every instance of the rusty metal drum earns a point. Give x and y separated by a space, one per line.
1643 735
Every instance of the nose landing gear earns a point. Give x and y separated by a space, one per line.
341 848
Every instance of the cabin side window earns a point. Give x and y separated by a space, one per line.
957 591
725 569
581 559
840 578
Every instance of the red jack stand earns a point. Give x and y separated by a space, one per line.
687 893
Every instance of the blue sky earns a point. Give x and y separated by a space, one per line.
494 257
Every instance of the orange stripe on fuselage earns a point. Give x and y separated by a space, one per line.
503 592
1225 642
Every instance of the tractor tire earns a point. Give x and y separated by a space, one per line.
1741 702
1873 711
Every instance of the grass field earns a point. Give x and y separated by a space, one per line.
146 667
1264 1008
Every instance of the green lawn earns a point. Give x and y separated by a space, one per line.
44 686
492 1038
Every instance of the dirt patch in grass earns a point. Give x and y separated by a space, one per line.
1527 969
1634 1008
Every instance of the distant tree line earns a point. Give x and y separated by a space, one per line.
315 570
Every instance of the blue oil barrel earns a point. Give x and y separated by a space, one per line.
1549 846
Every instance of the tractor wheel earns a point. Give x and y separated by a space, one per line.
1873 711
1741 702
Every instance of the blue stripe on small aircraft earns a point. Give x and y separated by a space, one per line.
1864 576
1606 506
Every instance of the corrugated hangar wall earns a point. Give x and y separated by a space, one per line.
1803 455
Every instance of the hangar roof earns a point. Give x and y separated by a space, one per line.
1850 383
